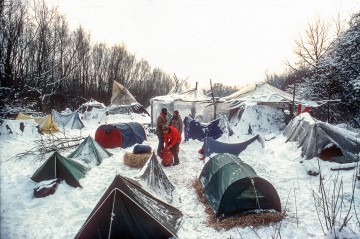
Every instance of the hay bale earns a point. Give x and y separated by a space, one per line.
135 160
241 220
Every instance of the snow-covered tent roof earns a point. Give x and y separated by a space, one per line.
319 139
263 93
189 102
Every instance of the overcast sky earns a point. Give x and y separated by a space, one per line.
228 41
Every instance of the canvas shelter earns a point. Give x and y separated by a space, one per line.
123 102
126 210
120 135
232 187
19 128
90 152
60 167
211 146
154 176
265 94
326 141
90 105
47 123
189 102
68 121
194 129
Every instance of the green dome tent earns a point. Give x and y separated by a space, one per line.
57 166
232 186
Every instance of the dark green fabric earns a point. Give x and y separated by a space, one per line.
232 186
58 166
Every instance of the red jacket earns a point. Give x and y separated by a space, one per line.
172 137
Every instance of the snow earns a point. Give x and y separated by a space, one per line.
62 214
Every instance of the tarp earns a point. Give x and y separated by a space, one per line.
319 139
60 167
126 210
47 123
211 146
123 102
232 187
194 129
154 176
90 152
68 121
120 135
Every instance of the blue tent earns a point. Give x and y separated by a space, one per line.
120 135
69 121
194 129
213 146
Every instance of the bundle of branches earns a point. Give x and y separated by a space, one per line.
136 160
50 144
241 220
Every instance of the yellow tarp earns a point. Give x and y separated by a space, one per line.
47 123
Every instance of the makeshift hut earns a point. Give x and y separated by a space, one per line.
189 102
47 123
154 176
267 96
90 152
20 128
123 102
60 167
120 135
211 146
126 210
68 121
231 187
326 141
194 129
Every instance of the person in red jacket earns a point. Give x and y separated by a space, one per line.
172 139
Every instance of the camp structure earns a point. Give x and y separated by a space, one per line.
123 102
189 102
211 146
194 129
265 96
91 110
232 187
126 210
90 152
155 178
47 123
60 167
68 121
120 135
19 128
322 140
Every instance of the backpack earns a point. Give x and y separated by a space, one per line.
167 158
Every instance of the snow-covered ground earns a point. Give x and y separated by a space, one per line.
62 214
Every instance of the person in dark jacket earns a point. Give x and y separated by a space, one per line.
161 121
172 140
177 122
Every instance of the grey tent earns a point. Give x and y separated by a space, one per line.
155 177
90 152
68 121
232 187
60 167
319 139
128 211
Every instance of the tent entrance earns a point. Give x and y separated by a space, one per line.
332 154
